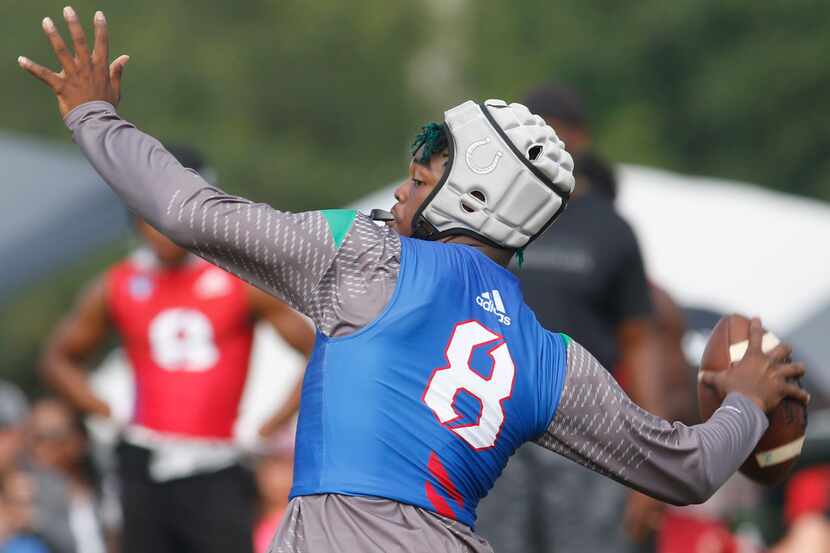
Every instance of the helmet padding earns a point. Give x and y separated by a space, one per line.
507 179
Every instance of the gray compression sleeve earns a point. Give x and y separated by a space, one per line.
598 426
341 286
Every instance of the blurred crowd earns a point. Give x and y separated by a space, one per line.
57 497
61 494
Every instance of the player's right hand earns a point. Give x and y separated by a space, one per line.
765 378
84 77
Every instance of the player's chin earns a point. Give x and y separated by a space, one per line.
399 227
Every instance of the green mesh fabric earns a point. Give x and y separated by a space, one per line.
340 221
431 140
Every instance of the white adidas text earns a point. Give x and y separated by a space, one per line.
492 303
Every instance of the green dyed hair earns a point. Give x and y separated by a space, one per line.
431 140
520 257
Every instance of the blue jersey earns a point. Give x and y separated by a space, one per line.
426 404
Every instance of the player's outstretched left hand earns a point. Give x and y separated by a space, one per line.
84 77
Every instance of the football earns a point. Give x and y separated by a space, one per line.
780 446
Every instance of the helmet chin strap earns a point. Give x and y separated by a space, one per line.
421 228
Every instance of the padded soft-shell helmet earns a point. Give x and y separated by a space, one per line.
507 179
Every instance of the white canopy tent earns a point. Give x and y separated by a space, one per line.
730 246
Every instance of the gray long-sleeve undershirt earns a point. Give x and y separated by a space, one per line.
598 426
341 287
344 286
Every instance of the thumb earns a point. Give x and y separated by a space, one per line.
116 71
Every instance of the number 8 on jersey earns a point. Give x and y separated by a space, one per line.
446 382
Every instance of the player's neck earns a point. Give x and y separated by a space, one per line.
499 255
173 265
176 263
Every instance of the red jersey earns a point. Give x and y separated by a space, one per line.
187 332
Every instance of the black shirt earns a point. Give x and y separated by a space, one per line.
585 276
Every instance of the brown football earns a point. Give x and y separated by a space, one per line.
780 446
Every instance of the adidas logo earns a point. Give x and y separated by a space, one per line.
491 302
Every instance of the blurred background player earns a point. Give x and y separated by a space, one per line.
187 329
587 277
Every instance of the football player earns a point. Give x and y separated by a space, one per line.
187 328
428 369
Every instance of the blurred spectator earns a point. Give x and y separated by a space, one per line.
34 500
13 412
808 493
678 377
274 472
17 517
806 512
689 534
59 442
585 278
187 328
809 534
